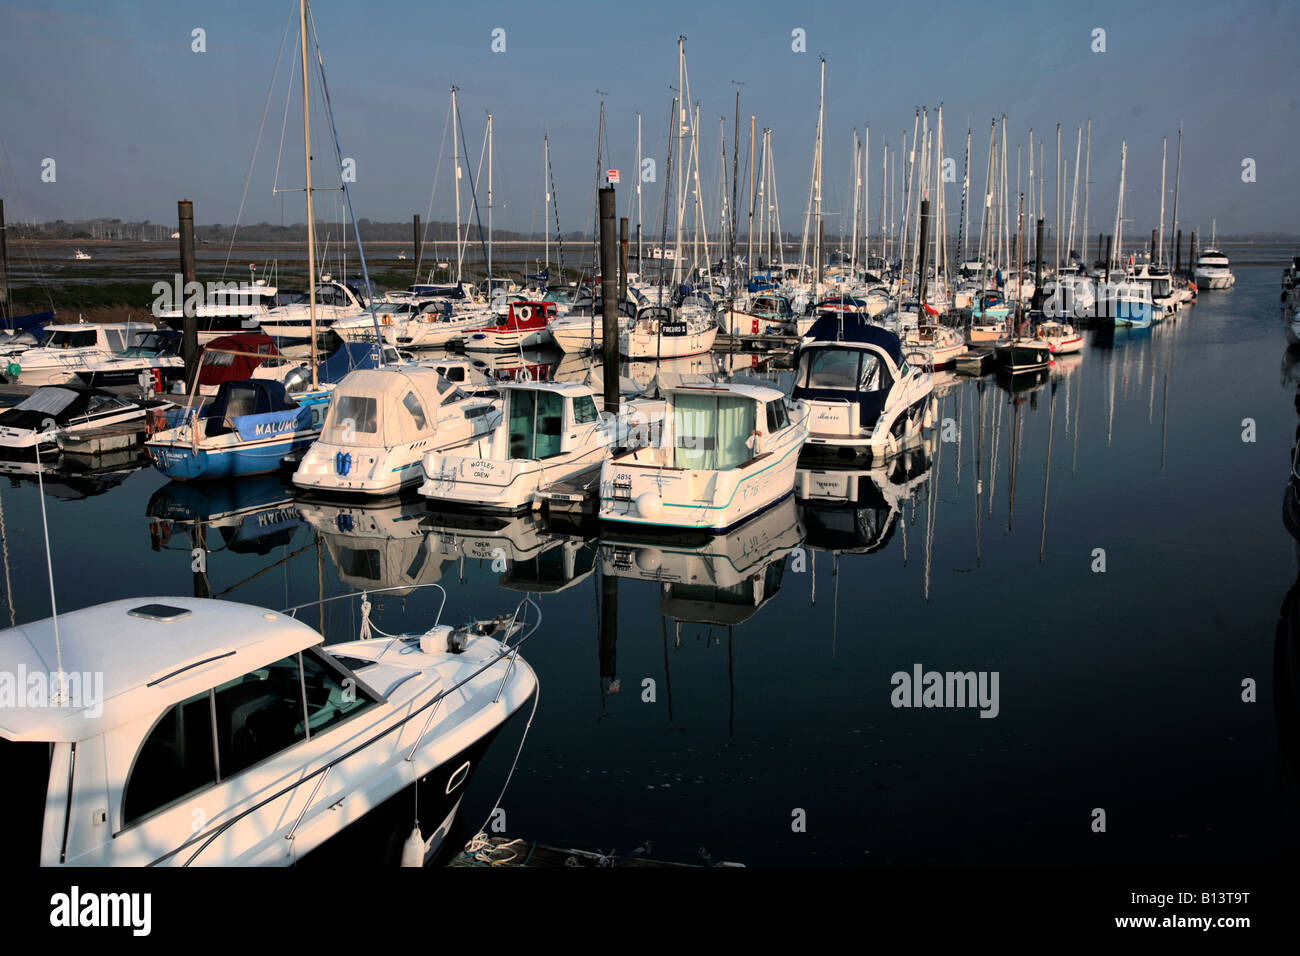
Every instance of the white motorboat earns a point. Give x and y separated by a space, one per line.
761 313
334 301
726 452
381 423
226 311
858 391
548 431
1212 271
154 355
67 350
183 731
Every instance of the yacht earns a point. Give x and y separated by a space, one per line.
933 346
548 431
1212 271
859 393
193 732
67 350
726 452
334 301
761 313
380 424
226 311
155 355
659 332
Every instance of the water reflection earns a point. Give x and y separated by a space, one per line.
377 544
75 477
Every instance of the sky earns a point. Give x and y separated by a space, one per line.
135 119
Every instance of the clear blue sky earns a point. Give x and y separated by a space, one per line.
135 120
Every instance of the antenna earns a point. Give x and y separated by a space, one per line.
49 564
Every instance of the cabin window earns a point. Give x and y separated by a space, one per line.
363 564
455 374
362 412
777 418
712 431
416 409
831 368
259 714
332 696
175 761
80 339
584 409
536 424
25 766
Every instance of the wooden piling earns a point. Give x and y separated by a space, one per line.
418 247
622 258
609 297
190 336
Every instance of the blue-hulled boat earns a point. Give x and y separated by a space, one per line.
247 429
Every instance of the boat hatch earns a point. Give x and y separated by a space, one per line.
159 612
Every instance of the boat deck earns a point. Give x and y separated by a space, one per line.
574 495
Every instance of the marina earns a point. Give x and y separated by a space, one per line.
758 449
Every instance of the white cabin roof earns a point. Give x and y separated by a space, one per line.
760 393
146 664
572 389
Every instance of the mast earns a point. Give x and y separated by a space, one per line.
817 182
546 188
749 255
866 193
1118 254
857 185
638 192
1178 175
311 223
1087 171
965 210
489 244
1056 266
1164 146
679 114
455 158
1074 191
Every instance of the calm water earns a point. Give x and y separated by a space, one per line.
1119 690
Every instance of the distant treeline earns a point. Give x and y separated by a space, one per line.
371 231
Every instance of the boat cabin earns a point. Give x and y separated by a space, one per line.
171 706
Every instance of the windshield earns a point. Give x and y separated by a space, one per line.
69 339
849 370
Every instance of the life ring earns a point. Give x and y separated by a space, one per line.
523 313
388 319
